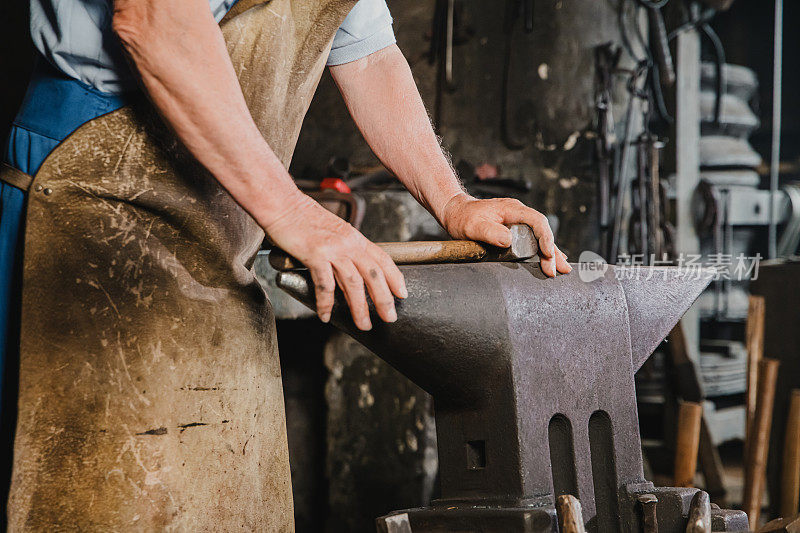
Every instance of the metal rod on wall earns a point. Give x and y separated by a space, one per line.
776 125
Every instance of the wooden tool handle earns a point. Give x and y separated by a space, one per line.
405 253
790 480
690 415
418 252
758 448
523 246
754 341
570 515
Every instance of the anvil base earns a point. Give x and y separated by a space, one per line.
672 512
469 518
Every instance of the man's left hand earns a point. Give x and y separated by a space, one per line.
465 217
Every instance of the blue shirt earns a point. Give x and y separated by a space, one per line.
76 37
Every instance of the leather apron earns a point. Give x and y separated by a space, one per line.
150 389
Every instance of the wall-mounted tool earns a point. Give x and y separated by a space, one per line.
445 34
515 9
622 158
650 232
659 42
606 59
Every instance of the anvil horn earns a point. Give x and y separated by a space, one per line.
657 298
445 335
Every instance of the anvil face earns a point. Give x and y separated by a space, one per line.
532 377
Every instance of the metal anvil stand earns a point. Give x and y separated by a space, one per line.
532 380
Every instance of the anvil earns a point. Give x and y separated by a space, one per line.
533 386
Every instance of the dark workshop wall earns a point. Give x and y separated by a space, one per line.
16 60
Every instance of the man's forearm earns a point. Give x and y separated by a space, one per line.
383 99
179 53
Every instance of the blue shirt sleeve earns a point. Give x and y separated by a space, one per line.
367 29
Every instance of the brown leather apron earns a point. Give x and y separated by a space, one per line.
150 390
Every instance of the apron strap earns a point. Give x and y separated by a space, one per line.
15 177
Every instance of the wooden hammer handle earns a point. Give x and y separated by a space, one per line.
690 417
405 253
758 447
419 252
754 341
790 477
570 515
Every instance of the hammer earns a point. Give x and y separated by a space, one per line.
523 246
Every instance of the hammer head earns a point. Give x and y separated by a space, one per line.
523 245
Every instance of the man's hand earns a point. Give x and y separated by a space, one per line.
465 217
335 252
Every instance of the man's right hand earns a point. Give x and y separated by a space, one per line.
335 252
